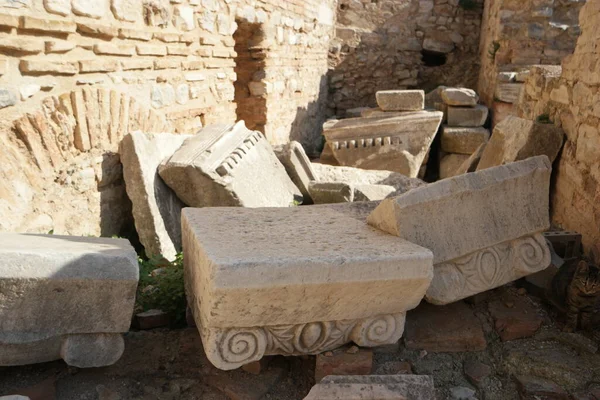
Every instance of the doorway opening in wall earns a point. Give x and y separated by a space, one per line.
250 86
433 58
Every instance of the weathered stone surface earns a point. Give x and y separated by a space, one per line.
401 100
22 44
60 7
396 144
226 165
532 387
356 112
508 92
451 328
156 208
459 97
450 165
470 165
373 192
127 10
277 299
463 140
330 192
343 362
467 116
47 25
514 317
515 194
65 297
7 98
487 269
516 139
90 8
500 110
371 387
52 67
476 371
358 176
298 166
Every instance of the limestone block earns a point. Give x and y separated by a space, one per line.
225 165
463 140
459 97
516 139
22 44
508 92
330 192
467 116
90 8
60 7
298 166
434 97
373 192
305 291
377 112
156 208
396 144
183 17
470 164
65 297
127 10
461 215
7 98
373 387
451 163
488 268
401 100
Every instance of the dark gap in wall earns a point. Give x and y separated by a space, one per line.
250 88
433 58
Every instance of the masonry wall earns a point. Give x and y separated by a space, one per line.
77 75
571 99
379 45
518 33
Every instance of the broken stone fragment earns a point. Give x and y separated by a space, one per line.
467 116
516 194
396 144
298 166
331 192
369 387
516 139
225 165
463 140
401 100
65 297
156 208
296 288
459 97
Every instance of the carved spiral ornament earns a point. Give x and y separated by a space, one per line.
532 252
382 329
239 346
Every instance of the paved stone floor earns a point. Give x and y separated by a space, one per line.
170 365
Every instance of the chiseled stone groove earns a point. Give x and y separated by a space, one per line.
368 142
236 156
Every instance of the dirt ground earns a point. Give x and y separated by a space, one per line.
170 365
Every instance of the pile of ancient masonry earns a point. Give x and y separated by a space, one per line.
260 278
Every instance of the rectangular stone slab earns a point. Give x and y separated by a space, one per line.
298 166
463 140
460 215
396 144
467 116
373 387
273 266
400 100
55 286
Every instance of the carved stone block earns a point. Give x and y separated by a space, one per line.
65 297
463 214
487 269
297 280
397 144
225 165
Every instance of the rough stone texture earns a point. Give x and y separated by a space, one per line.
459 97
516 139
450 164
379 46
500 111
451 328
298 166
476 371
463 140
156 208
532 387
370 387
396 144
514 317
65 297
467 116
228 165
488 268
508 92
343 362
237 293
470 165
62 162
401 100
331 192
516 194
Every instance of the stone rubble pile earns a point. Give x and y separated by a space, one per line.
463 137
396 137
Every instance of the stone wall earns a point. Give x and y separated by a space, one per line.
572 100
517 33
397 44
77 75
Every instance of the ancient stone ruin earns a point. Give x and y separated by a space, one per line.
316 199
